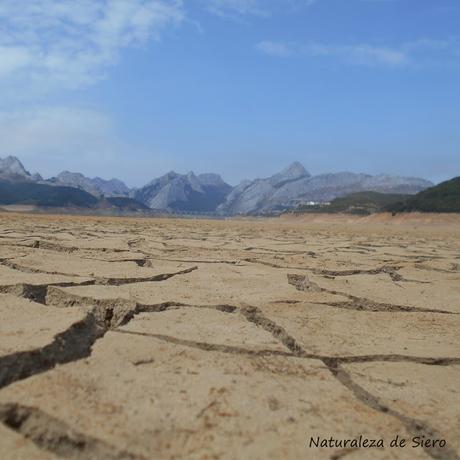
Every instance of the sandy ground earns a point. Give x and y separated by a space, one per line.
242 339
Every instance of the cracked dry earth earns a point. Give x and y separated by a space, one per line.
181 339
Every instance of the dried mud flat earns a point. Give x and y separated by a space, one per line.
190 339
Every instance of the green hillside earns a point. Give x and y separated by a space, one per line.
444 197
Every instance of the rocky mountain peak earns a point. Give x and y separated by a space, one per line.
187 192
211 180
293 172
11 166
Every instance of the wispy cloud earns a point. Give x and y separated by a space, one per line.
262 8
277 49
226 8
71 43
420 51
49 44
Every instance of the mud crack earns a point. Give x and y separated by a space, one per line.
161 277
205 346
302 283
53 435
390 270
414 426
73 344
76 342
105 281
254 315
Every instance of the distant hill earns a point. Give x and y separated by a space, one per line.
44 195
444 197
362 203
96 186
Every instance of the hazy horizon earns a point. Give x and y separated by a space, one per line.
135 88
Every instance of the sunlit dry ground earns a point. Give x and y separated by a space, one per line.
191 339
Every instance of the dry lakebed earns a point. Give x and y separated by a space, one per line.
291 338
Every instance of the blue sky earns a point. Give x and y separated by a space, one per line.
135 88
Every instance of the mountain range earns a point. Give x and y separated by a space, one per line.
207 192
294 186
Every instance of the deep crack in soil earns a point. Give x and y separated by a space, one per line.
53 435
73 344
76 342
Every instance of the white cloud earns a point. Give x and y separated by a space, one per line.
415 52
70 43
